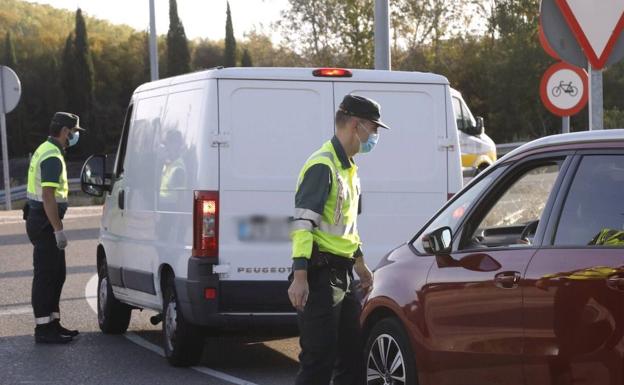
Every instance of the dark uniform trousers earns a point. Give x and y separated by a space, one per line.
48 262
330 330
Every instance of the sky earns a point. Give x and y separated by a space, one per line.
201 18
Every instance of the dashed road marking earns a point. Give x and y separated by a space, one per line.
91 297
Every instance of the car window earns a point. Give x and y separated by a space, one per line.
593 213
123 141
459 118
452 215
512 219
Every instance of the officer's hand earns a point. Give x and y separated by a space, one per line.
299 290
61 239
366 277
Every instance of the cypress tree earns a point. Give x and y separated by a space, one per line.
67 72
178 55
229 56
9 59
246 59
82 102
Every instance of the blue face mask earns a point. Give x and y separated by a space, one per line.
73 138
370 143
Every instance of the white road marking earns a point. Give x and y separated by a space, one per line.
16 310
91 296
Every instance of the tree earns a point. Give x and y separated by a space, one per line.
246 60
9 59
82 98
178 53
229 56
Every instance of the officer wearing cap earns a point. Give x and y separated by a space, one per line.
47 202
327 248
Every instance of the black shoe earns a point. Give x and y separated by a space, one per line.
47 334
63 331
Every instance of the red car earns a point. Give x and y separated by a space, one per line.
518 280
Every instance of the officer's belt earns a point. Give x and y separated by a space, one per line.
320 259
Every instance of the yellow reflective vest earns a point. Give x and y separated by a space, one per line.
34 189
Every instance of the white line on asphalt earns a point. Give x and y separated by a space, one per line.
16 310
90 294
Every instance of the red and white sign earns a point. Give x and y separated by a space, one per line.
544 42
597 26
564 89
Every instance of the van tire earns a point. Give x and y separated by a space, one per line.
184 342
113 316
395 339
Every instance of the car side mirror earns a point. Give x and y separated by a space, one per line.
93 178
438 242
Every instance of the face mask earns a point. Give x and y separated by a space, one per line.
370 143
73 138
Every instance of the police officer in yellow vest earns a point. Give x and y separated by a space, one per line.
46 206
327 248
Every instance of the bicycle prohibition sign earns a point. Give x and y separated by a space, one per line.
564 89
567 88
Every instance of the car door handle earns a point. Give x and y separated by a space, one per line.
507 279
616 282
120 199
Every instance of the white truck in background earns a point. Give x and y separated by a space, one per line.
478 150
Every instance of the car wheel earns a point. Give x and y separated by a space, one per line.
113 316
184 342
388 355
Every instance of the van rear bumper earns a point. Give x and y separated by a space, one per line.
237 302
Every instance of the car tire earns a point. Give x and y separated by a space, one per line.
184 342
113 316
388 338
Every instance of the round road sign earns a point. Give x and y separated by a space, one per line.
10 90
564 89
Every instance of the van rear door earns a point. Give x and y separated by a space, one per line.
271 127
404 180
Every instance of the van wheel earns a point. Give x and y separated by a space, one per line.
388 355
113 316
184 342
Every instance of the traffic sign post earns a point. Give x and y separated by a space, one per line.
10 92
564 91
587 34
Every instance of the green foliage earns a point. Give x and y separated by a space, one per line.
229 56
178 53
8 58
246 59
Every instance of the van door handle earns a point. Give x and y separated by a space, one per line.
507 280
120 199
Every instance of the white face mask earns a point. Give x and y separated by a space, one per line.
370 143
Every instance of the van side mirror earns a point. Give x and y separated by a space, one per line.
438 242
93 178
480 128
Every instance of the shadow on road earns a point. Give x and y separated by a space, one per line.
72 235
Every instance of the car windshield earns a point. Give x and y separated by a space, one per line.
452 215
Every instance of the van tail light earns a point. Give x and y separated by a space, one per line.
332 73
206 224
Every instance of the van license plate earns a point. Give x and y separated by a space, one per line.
264 229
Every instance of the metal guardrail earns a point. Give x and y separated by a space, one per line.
19 192
504 148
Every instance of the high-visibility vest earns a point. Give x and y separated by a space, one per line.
336 232
166 189
34 189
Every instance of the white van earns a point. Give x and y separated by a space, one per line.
197 207
478 151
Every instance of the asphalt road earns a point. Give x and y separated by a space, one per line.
253 357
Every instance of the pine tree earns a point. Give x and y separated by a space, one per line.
246 59
178 54
230 42
9 59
